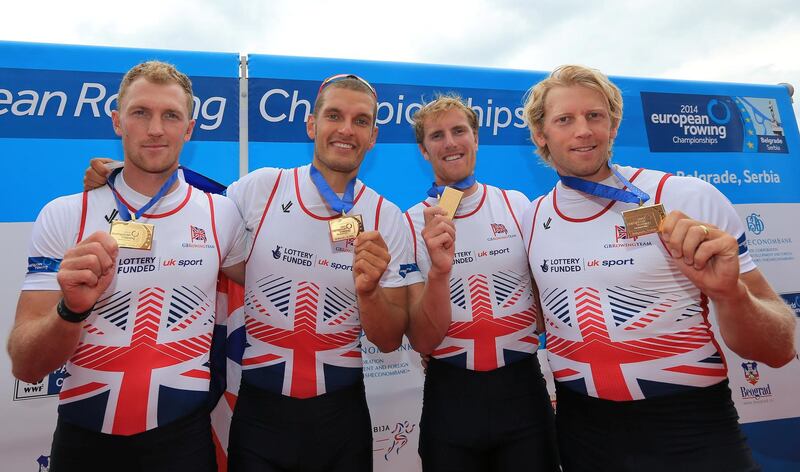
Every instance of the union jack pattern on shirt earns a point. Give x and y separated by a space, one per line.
163 358
622 322
143 357
303 326
493 312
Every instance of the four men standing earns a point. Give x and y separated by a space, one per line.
630 347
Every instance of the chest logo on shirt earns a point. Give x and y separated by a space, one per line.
293 256
621 239
576 264
110 217
499 231
198 239
286 206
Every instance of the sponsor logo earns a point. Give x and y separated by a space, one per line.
463 257
754 223
712 123
334 265
43 264
198 234
391 439
546 224
793 300
44 463
135 265
609 262
568 264
294 256
752 377
493 252
286 206
49 386
762 249
406 269
110 217
750 372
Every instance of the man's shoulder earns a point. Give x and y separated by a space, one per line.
223 203
73 202
263 174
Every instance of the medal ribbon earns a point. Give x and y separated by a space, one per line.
124 214
635 195
339 205
436 190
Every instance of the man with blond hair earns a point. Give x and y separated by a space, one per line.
486 406
135 333
640 379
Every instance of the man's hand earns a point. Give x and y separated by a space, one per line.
439 235
97 173
87 270
370 261
705 254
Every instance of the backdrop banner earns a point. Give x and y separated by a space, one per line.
55 103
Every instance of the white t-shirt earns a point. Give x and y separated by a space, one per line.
493 311
301 313
142 357
622 322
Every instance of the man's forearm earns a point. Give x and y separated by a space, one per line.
758 328
384 316
430 314
41 345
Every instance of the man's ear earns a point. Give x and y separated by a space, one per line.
115 122
310 131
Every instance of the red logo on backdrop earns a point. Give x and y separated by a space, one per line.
499 228
750 372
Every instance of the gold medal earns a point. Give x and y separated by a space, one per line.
643 220
132 234
449 201
345 227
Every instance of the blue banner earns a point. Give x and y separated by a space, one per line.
712 123
55 107
78 105
279 108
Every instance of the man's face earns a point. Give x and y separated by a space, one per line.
343 130
450 144
153 122
577 130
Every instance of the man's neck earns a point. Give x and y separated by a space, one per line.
146 183
336 180
467 191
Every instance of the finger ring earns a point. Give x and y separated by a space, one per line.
705 229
